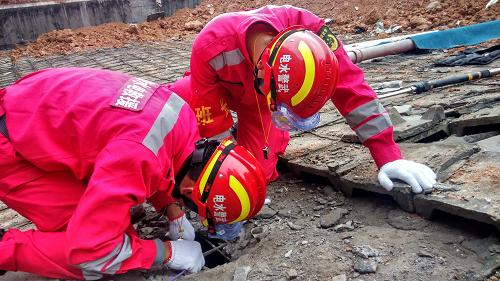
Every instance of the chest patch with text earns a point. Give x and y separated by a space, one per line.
134 94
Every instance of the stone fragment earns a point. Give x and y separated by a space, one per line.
396 118
318 208
294 226
266 213
404 109
433 6
322 201
333 217
418 21
288 254
424 254
133 29
241 273
258 232
341 277
372 17
291 274
434 113
365 251
365 266
195 25
344 227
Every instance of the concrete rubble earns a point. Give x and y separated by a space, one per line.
333 151
323 231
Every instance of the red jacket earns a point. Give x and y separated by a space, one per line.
220 64
125 136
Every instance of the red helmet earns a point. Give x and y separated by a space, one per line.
300 71
231 187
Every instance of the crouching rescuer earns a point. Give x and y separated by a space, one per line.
80 147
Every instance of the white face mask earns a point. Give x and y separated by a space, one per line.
286 120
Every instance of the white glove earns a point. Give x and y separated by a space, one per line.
186 255
417 175
181 228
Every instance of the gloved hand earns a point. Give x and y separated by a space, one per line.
181 228
185 255
227 231
417 175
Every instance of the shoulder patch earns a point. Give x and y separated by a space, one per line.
327 35
134 94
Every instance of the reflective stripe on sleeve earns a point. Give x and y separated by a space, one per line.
228 58
373 127
160 252
359 114
163 123
109 264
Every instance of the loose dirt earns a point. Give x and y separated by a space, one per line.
347 17
375 235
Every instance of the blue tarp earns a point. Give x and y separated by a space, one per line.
461 36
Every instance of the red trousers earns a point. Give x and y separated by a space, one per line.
44 199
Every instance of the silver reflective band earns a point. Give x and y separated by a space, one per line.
232 57
359 114
160 252
373 127
109 264
164 123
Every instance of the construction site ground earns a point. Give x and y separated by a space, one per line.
328 219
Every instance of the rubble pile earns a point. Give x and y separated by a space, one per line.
375 17
327 218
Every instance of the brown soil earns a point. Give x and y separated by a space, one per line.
348 16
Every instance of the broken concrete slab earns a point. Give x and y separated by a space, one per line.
413 128
405 109
351 167
490 144
304 144
479 196
487 115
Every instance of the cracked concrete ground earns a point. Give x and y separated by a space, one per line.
312 232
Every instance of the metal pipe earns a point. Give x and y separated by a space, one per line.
425 86
215 248
209 252
392 48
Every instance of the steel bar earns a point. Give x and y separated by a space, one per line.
425 86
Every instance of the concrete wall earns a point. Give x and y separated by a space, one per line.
25 22
170 6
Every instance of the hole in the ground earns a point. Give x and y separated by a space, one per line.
434 137
452 114
480 129
212 250
468 225
381 199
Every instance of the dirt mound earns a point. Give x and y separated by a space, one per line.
347 16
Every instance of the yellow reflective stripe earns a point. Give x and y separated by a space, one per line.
242 194
310 71
205 223
209 169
